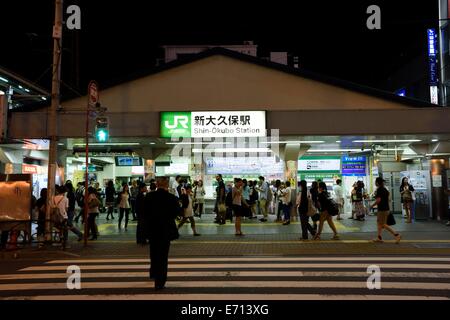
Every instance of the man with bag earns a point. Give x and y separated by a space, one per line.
160 210
384 214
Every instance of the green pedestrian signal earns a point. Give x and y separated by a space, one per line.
102 129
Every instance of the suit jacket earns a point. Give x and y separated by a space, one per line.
160 210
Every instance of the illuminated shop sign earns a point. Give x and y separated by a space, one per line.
213 124
433 64
354 166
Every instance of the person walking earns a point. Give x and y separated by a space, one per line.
324 204
140 211
110 193
93 212
382 203
160 211
61 203
238 200
187 205
406 192
79 197
278 204
314 192
286 197
358 196
339 197
71 211
199 198
124 206
302 203
134 191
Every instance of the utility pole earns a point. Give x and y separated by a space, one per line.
52 115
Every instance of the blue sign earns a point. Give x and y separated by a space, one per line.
354 166
432 56
401 92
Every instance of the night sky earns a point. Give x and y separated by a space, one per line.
122 37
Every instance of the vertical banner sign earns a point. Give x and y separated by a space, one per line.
433 65
3 116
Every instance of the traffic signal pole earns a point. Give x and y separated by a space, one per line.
52 115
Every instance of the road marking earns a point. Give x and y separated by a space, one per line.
93 275
259 258
249 266
229 284
227 297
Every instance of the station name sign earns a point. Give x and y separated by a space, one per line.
213 124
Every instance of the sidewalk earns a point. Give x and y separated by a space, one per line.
427 237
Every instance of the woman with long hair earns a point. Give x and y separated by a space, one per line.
324 202
406 191
124 205
302 206
110 193
93 212
314 192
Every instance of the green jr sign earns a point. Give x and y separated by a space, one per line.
175 124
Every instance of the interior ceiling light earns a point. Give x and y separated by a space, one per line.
109 144
339 150
434 140
226 150
280 142
199 143
386 141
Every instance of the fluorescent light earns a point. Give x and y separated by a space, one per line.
44 98
435 140
60 144
280 142
108 144
338 150
152 142
198 143
27 90
437 154
20 87
387 141
227 150
338 141
3 79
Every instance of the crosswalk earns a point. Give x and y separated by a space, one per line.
237 278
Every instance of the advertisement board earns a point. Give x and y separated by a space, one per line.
15 197
244 165
354 166
319 164
213 124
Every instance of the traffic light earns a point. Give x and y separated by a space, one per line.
102 129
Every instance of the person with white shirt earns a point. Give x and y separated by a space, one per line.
62 203
188 211
286 195
339 197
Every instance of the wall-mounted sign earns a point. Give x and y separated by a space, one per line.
318 164
137 170
128 161
213 124
354 166
30 169
437 181
433 65
244 165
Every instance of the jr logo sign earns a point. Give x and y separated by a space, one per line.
175 124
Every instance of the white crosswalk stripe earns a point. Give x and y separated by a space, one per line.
236 278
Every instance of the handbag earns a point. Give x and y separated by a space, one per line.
311 208
390 220
56 216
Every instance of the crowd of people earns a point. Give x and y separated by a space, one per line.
235 201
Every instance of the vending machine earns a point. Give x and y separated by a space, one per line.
421 182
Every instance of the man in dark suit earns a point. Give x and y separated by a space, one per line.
161 209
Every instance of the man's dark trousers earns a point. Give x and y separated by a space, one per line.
159 260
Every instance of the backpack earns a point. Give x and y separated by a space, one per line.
333 207
229 199
79 197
